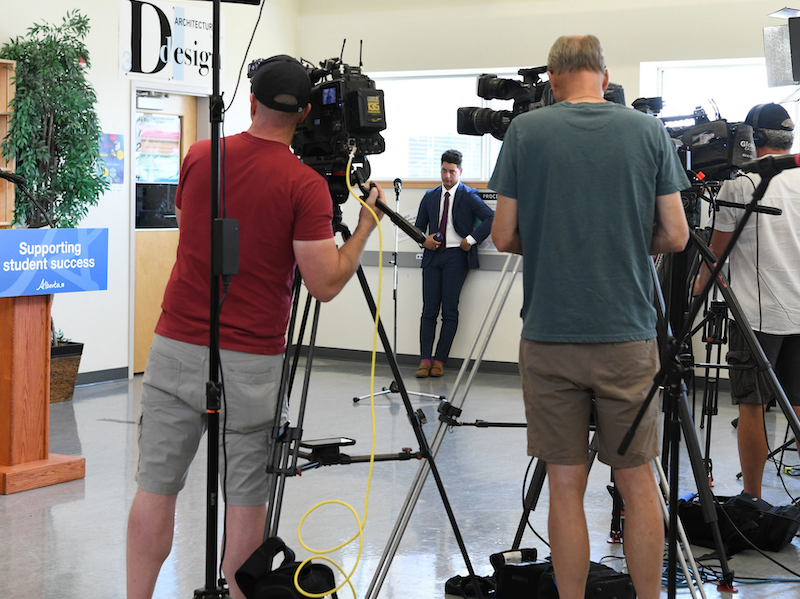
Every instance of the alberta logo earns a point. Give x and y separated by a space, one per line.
47 285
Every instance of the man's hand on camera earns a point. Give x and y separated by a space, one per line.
365 217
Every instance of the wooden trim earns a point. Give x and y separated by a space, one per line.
25 399
41 473
429 184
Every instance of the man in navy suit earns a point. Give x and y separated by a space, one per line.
449 214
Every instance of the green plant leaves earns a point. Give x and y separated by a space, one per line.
54 130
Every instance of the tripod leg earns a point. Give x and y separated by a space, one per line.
704 491
536 485
531 499
438 437
284 441
615 535
686 550
415 424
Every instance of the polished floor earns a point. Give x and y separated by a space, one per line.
68 540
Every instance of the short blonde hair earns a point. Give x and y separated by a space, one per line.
576 53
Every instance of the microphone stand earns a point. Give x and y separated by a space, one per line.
393 387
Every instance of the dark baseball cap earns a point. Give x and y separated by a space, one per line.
278 75
771 116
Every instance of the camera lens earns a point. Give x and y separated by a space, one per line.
477 121
491 87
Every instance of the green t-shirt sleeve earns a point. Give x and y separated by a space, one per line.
671 175
504 177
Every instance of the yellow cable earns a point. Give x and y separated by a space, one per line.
320 554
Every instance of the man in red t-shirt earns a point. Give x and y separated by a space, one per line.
285 215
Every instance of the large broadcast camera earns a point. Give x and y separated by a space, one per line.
710 151
347 114
713 150
532 92
344 124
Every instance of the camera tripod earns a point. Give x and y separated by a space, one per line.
681 270
286 441
536 484
450 410
671 376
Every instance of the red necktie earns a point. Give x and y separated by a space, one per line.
443 221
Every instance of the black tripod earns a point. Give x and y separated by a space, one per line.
672 373
715 334
286 441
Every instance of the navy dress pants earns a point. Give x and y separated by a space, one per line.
442 281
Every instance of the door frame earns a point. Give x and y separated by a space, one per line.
203 132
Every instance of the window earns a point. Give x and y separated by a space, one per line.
421 113
729 87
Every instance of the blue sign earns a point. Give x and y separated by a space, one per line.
45 261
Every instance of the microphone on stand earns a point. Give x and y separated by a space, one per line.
398 184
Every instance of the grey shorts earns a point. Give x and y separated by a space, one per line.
173 418
782 352
559 382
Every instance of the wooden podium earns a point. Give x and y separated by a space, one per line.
25 461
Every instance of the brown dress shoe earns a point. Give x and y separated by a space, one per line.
437 369
424 370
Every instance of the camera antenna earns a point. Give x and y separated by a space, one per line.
341 54
360 54
716 109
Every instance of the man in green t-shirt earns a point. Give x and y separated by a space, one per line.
587 190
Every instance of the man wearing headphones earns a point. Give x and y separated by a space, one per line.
765 276
285 213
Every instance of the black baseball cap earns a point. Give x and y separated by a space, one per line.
278 75
770 116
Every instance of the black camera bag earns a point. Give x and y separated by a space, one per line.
768 527
258 580
537 580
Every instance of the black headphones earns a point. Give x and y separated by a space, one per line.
759 136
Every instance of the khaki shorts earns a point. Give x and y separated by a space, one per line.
174 418
559 381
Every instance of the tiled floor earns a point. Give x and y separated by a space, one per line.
69 540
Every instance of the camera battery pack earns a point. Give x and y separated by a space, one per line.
225 244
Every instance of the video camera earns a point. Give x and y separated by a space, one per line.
529 94
347 113
346 118
708 149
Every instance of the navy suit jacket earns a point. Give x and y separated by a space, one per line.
466 206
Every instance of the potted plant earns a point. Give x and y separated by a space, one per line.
54 135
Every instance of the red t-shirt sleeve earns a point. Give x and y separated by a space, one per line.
313 211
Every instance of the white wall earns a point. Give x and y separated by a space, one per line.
408 35
101 319
424 35
346 323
